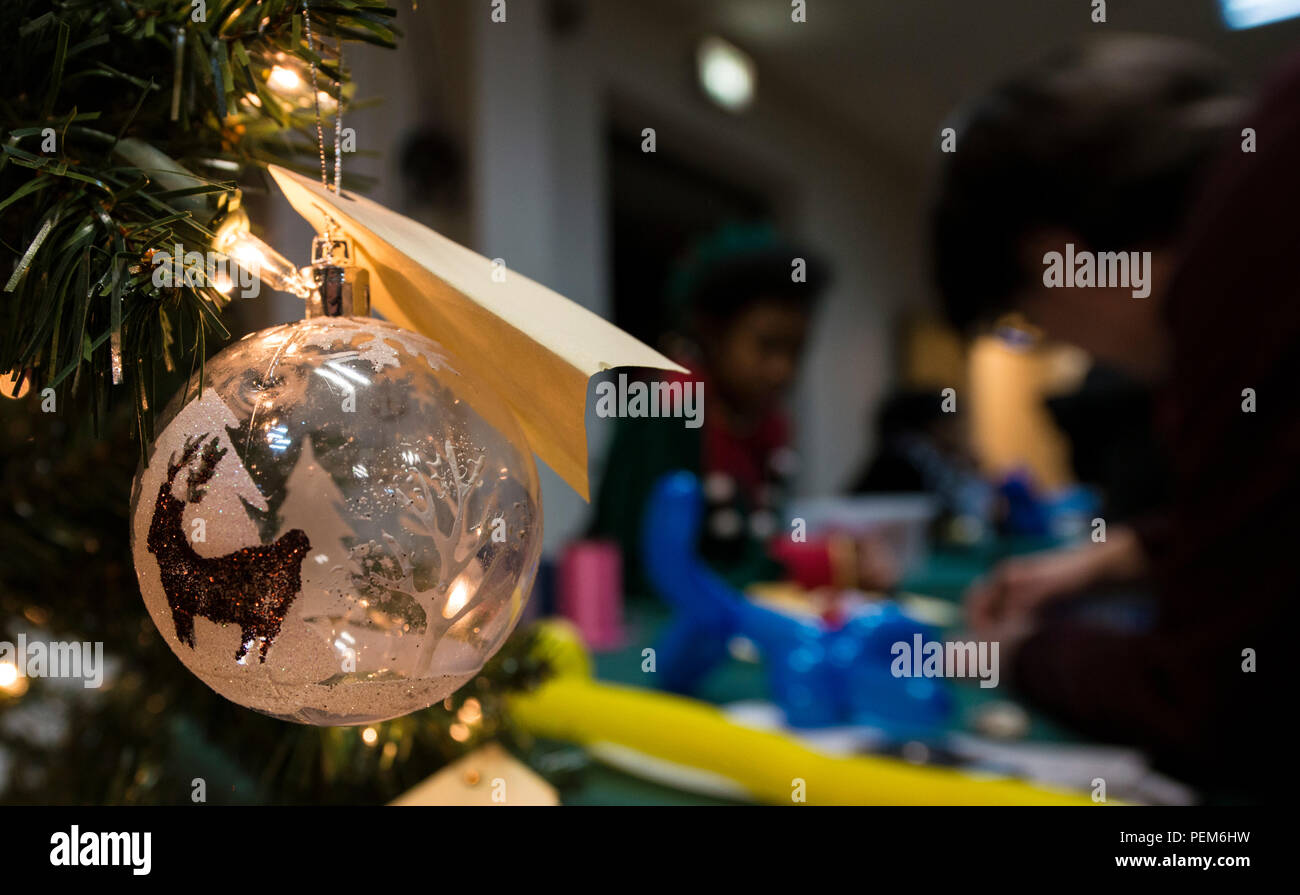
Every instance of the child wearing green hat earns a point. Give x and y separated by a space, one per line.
745 300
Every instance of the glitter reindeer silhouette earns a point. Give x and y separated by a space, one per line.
252 587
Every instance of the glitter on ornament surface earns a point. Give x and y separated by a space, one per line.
340 529
252 587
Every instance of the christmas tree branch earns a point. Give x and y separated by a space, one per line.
125 127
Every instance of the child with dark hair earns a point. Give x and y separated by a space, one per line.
919 448
744 300
1104 145
922 448
1106 148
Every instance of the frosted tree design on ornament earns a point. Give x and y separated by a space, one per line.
237 503
443 504
312 498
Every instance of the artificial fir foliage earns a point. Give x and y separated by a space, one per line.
143 737
125 128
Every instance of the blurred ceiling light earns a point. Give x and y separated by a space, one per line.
1252 13
727 74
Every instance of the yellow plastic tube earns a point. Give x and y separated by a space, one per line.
771 767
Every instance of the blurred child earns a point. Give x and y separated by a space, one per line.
746 315
922 448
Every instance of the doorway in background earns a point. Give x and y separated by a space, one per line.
661 205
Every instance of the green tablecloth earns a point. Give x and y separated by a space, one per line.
944 574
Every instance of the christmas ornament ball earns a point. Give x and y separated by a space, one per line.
340 527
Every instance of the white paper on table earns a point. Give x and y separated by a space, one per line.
534 347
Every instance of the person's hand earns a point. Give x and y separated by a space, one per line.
1019 588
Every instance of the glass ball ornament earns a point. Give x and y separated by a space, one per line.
341 528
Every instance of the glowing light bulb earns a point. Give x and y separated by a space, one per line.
263 262
1252 13
285 80
471 712
727 75
247 253
11 682
10 388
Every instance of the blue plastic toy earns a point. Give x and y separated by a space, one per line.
819 676
1063 514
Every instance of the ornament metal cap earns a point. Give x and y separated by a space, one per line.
341 288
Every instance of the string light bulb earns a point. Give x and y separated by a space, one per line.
284 80
289 80
237 241
15 384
